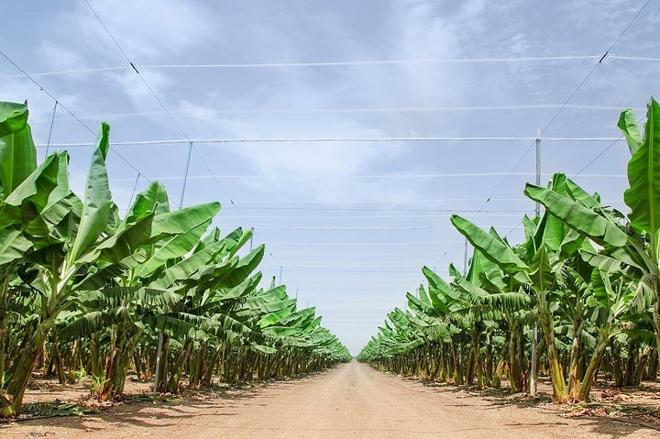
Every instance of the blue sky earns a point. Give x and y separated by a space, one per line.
351 223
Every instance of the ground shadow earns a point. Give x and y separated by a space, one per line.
144 410
499 399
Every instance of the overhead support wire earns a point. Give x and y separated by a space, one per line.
153 93
162 105
343 139
635 58
67 72
365 228
601 153
359 110
584 80
370 176
63 107
377 209
372 62
354 243
339 63
346 269
135 69
352 217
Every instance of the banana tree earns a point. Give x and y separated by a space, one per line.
119 298
74 275
631 244
78 233
613 296
17 162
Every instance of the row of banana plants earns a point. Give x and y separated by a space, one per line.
159 291
577 299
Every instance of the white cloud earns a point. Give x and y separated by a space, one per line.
40 104
150 29
58 57
313 170
136 91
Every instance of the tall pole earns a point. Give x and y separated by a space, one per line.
50 131
135 185
535 329
185 176
537 208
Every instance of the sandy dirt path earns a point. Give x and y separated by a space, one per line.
350 401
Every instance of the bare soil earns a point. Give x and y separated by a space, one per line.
350 401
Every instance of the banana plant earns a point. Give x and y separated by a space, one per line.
78 233
33 201
17 162
631 244
84 288
538 267
613 297
585 272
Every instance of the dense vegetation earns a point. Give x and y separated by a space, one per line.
585 277
159 292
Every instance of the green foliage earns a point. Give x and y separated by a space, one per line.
586 276
117 294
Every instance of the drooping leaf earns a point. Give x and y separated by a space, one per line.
628 125
183 220
18 156
577 216
643 194
246 265
173 248
13 245
492 247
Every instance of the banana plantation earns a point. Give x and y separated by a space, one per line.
577 301
158 292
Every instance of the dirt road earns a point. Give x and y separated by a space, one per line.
351 401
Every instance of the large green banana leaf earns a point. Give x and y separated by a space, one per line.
643 195
174 248
489 244
584 220
628 125
152 199
188 266
97 203
183 220
13 245
18 156
245 266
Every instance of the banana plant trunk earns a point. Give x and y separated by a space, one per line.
576 356
23 370
4 337
589 375
656 318
177 369
556 374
